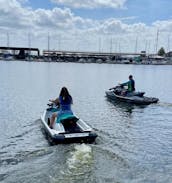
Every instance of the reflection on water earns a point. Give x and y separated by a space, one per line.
134 142
126 107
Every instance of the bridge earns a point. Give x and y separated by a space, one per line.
22 52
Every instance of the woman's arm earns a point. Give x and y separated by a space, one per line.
56 101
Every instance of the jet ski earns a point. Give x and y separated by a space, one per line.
67 128
121 94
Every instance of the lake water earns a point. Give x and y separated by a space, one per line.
134 144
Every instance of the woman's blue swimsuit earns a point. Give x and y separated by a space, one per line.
65 108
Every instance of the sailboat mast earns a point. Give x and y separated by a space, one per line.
48 43
157 41
8 40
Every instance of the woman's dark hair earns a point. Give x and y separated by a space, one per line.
65 94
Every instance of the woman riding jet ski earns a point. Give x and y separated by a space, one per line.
64 102
62 125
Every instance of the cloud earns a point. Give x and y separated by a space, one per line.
14 16
73 32
163 26
90 4
113 27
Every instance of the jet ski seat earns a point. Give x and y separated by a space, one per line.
69 123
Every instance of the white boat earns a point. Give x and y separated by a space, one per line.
69 128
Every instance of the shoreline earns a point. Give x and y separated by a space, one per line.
83 61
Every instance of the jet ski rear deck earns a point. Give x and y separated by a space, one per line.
69 129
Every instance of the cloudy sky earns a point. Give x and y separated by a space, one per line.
87 25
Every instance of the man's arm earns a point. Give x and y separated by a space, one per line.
125 84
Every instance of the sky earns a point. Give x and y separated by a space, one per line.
87 25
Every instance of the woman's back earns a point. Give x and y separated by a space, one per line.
65 103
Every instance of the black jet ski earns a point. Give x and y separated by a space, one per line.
69 128
120 93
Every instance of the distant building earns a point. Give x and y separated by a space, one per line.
155 57
143 53
169 54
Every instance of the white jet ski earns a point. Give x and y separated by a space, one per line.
69 128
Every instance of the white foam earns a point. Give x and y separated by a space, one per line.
82 155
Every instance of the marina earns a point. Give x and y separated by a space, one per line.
28 54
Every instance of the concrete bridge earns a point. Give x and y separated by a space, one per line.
19 52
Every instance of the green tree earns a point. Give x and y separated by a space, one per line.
161 51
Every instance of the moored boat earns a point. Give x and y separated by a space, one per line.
69 128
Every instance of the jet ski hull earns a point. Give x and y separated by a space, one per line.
140 100
67 131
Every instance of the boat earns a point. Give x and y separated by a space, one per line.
68 128
119 93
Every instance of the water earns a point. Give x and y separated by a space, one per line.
134 143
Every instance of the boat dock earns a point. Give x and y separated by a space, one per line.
33 54
94 57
